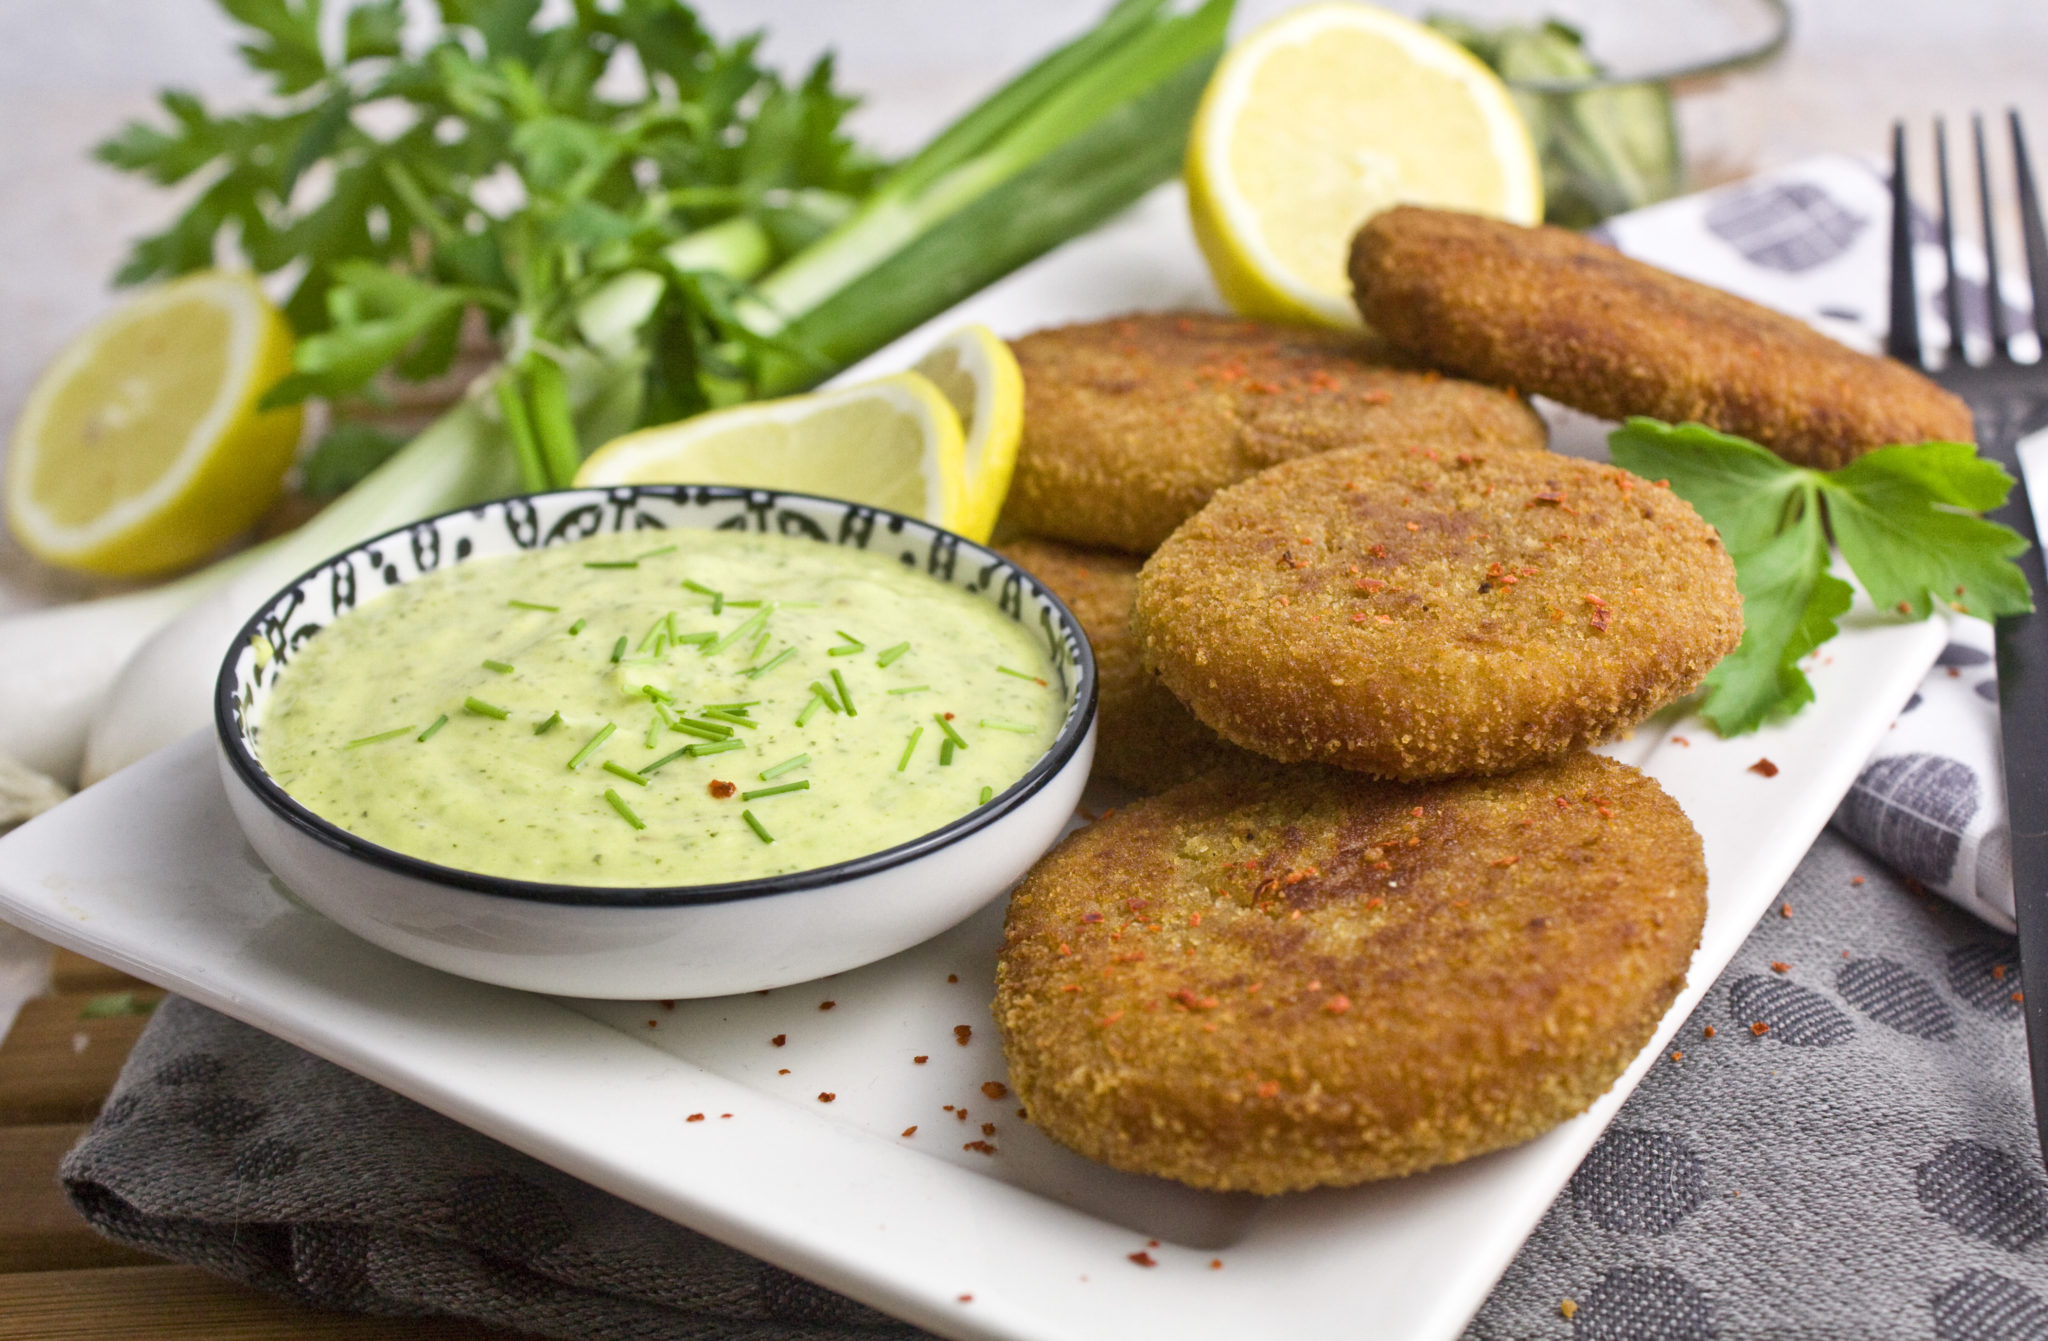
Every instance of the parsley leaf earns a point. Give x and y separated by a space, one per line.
1902 516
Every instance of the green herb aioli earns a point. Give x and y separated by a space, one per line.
493 796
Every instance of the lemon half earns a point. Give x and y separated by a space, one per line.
976 372
141 448
1325 117
893 443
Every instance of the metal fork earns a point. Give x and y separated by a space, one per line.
2009 400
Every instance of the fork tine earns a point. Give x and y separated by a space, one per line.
1994 295
1902 340
1951 292
2032 235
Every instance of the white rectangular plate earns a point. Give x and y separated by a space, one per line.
148 872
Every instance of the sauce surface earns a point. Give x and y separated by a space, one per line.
660 708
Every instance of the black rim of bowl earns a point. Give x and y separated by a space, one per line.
281 803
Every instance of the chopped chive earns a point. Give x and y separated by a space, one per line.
713 747
657 629
550 724
667 718
909 748
665 549
657 695
428 734
814 703
718 730
534 605
718 603
669 622
614 563
502 667
590 746
947 727
625 811
653 731
730 718
755 825
826 697
912 689
1035 679
744 605
853 645
733 707
946 748
775 771
756 672
987 794
754 624
379 738
578 627
618 770
844 695
647 770
890 655
777 790
759 643
483 709
998 724
618 649
699 588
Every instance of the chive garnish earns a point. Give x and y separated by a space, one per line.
845 696
755 825
715 730
428 734
647 770
700 588
618 770
987 794
653 731
730 718
502 667
853 645
718 603
578 627
618 649
889 655
744 605
811 706
534 605
665 549
658 695
947 727
912 689
625 811
756 672
946 748
713 747
998 724
776 790
759 643
1035 679
825 696
754 624
734 707
667 718
379 738
553 721
590 746
483 709
909 748
694 638
777 770
614 563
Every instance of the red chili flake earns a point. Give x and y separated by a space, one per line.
2020 997
720 790
650 1024
1269 1089
1784 910
1337 1004
1708 1032
1370 584
1256 986
1215 1264
1417 812
994 1089
966 1298
1110 1019
667 1005
979 1147
1554 497
1856 880
725 1115
1143 1259
952 977
1378 551
827 1005
779 1040
1780 966
1764 768
1677 1056
920 1059
1507 861
988 1129
910 1131
1020 1112
1759 1028
694 1117
826 1096
1998 971
962 1032
783 1072
1681 740
1905 607
959 1113
1376 397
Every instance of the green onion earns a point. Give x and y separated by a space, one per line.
998 724
909 748
1035 679
913 689
776 790
715 730
754 624
502 667
827 697
519 427
794 761
890 655
647 770
713 747
756 672
947 727
578 627
550 724
553 422
618 649
483 709
755 825
618 770
428 734
844 695
987 794
534 605
625 811
810 707
946 749
590 746
665 549
614 563
853 645
380 738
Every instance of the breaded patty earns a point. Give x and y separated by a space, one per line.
1420 615
1145 738
1131 424
1554 313
1277 978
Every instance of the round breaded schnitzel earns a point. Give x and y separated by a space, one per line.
1145 738
1557 314
1420 615
1131 424
1277 978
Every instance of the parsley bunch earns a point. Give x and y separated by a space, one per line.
1904 519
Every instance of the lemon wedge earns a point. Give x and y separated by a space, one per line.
1321 119
893 443
141 448
976 372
